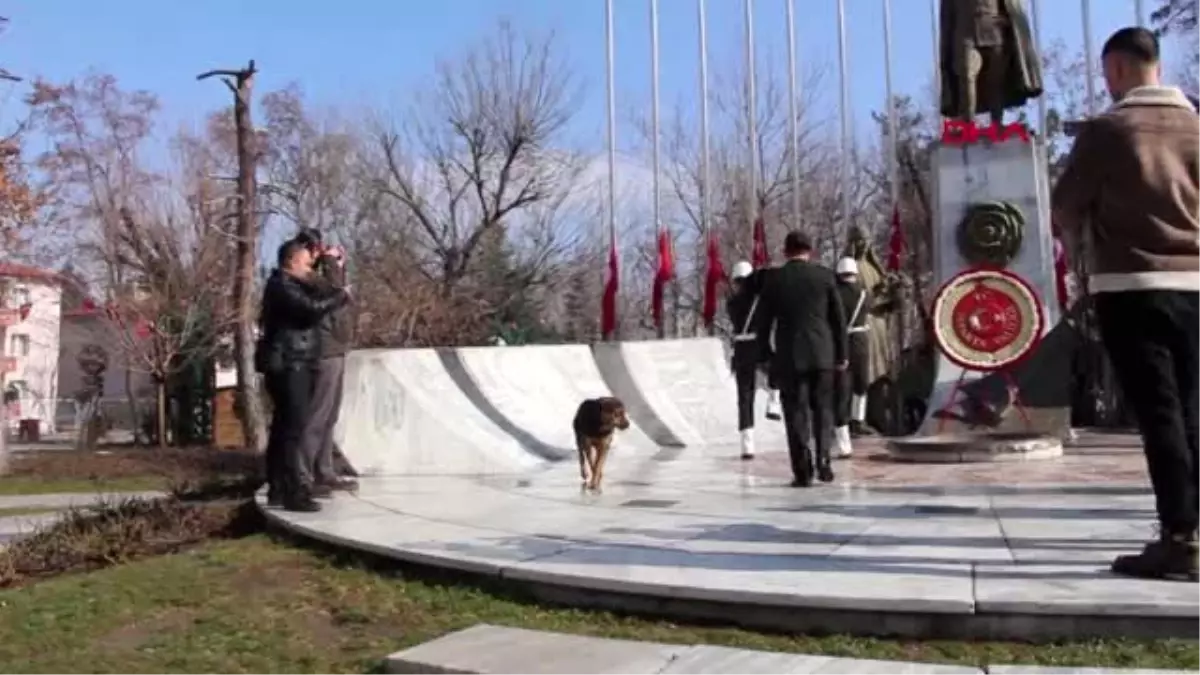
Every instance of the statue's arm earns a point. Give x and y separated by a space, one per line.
1075 193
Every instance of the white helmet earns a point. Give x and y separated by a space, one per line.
741 270
846 266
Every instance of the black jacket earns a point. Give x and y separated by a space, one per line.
292 310
801 301
745 351
335 330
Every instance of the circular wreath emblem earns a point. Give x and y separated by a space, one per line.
991 233
986 319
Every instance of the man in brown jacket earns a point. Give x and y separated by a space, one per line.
1131 186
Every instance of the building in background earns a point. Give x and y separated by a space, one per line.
32 300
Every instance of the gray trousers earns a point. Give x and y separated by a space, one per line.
316 445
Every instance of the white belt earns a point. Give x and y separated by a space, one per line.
745 337
858 329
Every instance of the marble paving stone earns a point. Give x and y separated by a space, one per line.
423 541
758 579
1045 670
963 540
497 649
1078 590
711 659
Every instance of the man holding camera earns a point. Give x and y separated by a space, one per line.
293 308
334 336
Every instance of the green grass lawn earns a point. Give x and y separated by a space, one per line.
36 485
261 605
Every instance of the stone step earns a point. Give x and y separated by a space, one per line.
485 648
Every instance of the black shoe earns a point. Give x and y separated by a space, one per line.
860 429
802 482
321 491
825 473
1172 557
301 504
274 500
340 485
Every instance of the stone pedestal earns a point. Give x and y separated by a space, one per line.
1015 172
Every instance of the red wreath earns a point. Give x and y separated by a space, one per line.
989 316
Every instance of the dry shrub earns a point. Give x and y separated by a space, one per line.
119 531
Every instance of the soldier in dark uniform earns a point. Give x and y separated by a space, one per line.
851 385
800 303
746 283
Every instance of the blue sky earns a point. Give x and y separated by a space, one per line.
373 53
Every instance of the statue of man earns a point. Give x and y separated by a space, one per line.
874 279
989 61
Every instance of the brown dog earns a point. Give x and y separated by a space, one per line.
595 423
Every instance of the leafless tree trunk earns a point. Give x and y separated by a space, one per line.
241 83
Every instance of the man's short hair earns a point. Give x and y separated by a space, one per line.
796 242
288 250
1139 44
309 237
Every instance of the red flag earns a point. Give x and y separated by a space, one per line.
1060 274
666 272
761 256
712 280
608 305
896 244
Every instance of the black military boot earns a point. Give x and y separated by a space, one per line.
1173 557
301 501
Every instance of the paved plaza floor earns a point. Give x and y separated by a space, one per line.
1020 549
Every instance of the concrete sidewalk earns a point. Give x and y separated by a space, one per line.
496 649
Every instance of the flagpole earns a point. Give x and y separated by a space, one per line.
1035 9
751 114
612 127
705 164
893 132
1140 10
844 110
793 113
935 32
658 225
1085 7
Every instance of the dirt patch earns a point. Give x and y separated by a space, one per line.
136 635
174 463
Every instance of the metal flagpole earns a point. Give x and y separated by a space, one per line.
1036 10
937 60
844 109
655 125
893 132
1140 10
612 126
1089 65
705 165
751 113
793 113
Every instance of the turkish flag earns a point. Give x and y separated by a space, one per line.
714 277
896 243
665 272
1060 274
608 305
761 256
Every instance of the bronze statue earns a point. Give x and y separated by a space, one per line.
881 289
989 61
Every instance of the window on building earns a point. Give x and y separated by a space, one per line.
20 296
18 345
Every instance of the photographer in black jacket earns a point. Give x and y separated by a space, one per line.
334 332
292 309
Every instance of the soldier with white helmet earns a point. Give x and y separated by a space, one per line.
746 282
851 386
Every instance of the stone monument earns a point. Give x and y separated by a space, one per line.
992 212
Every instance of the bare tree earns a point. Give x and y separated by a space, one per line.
481 148
241 83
